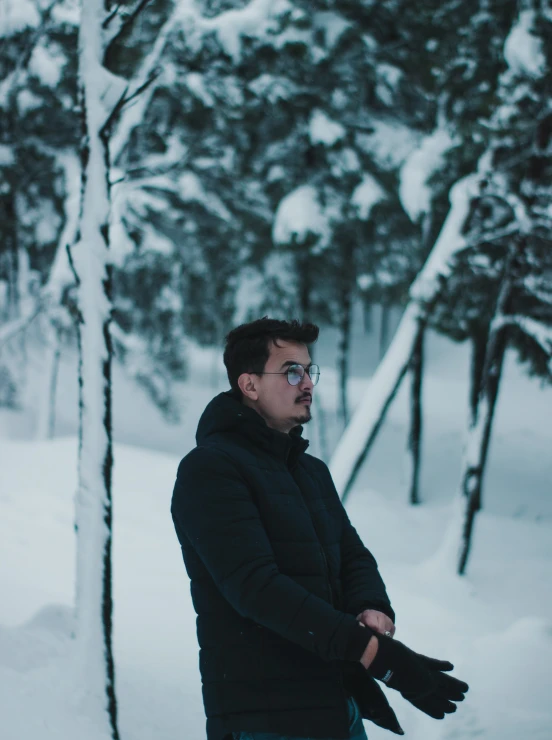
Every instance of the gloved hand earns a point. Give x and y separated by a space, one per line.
421 680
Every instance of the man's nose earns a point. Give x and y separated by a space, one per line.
306 382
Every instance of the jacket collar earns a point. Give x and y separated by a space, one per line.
226 413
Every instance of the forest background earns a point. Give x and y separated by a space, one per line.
170 169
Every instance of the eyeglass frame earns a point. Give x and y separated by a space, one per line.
303 368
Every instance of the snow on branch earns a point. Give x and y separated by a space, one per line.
143 85
15 17
323 130
355 442
121 20
414 192
537 331
522 49
366 195
257 19
449 242
298 215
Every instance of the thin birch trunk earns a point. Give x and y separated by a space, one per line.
90 259
415 433
479 348
479 434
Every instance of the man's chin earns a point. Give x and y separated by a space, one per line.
304 418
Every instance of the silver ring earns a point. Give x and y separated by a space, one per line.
387 634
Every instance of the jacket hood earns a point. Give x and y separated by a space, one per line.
226 413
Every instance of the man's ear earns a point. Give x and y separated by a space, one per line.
247 386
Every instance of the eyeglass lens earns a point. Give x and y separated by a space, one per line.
295 374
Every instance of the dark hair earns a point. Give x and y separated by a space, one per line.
248 346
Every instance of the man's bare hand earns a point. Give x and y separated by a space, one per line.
378 621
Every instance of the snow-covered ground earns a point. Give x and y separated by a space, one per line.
494 624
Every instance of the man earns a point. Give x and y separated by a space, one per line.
293 619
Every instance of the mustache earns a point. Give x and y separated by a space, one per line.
303 398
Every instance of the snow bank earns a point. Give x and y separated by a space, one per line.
499 644
510 682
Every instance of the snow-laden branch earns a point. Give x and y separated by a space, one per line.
13 80
50 296
60 273
538 332
16 326
117 23
134 113
353 446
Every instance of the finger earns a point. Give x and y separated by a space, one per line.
450 694
453 682
434 706
453 686
437 665
376 623
428 708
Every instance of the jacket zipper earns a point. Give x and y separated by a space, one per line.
324 558
327 567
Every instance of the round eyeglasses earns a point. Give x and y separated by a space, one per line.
296 373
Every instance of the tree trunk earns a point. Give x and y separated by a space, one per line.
384 328
472 478
479 435
479 347
367 316
304 282
12 296
53 391
344 349
355 443
415 434
46 385
90 261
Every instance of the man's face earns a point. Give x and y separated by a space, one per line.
282 405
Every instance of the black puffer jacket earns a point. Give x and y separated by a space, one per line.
278 574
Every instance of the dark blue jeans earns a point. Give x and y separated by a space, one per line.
356 729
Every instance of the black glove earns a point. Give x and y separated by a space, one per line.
421 680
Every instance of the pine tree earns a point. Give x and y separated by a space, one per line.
511 235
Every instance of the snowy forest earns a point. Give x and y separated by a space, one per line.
172 168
